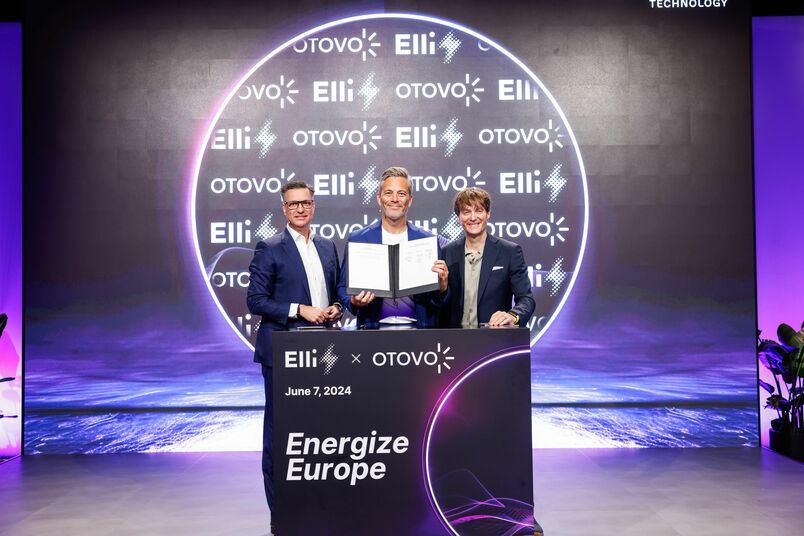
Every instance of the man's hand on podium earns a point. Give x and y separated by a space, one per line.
501 318
314 315
333 313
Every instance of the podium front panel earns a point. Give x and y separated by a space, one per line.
401 432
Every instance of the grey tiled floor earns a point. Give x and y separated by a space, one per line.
645 492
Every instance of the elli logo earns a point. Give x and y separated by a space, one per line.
425 44
310 359
429 358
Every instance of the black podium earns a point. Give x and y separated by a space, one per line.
403 432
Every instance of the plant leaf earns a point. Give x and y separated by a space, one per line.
768 387
790 337
791 365
798 362
772 356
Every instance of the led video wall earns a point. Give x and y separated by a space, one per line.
613 156
10 240
778 115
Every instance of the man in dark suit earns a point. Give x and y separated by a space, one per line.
485 272
394 199
293 282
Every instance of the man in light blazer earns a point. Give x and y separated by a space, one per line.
485 272
293 282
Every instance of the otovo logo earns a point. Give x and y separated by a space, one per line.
438 358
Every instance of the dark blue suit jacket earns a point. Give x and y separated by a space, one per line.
278 279
503 275
427 305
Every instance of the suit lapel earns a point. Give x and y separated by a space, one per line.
490 253
323 254
324 257
413 233
292 254
375 233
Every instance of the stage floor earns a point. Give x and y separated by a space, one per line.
627 492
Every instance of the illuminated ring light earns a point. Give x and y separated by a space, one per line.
433 421
204 142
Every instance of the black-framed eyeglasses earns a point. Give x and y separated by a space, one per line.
294 205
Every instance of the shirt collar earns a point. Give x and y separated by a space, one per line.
467 251
297 236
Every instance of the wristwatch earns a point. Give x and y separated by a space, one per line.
516 317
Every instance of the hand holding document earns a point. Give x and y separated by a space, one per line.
392 271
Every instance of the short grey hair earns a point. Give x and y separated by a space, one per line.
397 172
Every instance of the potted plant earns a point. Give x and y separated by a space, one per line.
785 360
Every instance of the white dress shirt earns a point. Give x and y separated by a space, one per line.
314 271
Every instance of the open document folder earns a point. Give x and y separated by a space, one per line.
392 271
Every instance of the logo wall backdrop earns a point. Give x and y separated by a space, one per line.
338 104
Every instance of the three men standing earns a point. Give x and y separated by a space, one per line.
296 280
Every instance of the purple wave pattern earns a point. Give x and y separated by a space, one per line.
480 512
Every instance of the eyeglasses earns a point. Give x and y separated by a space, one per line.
294 205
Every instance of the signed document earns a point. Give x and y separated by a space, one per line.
369 267
392 271
416 259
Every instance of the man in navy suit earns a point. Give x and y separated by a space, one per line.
394 199
485 272
293 282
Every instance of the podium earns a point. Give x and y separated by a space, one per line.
403 432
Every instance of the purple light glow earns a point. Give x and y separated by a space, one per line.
431 423
778 59
11 236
